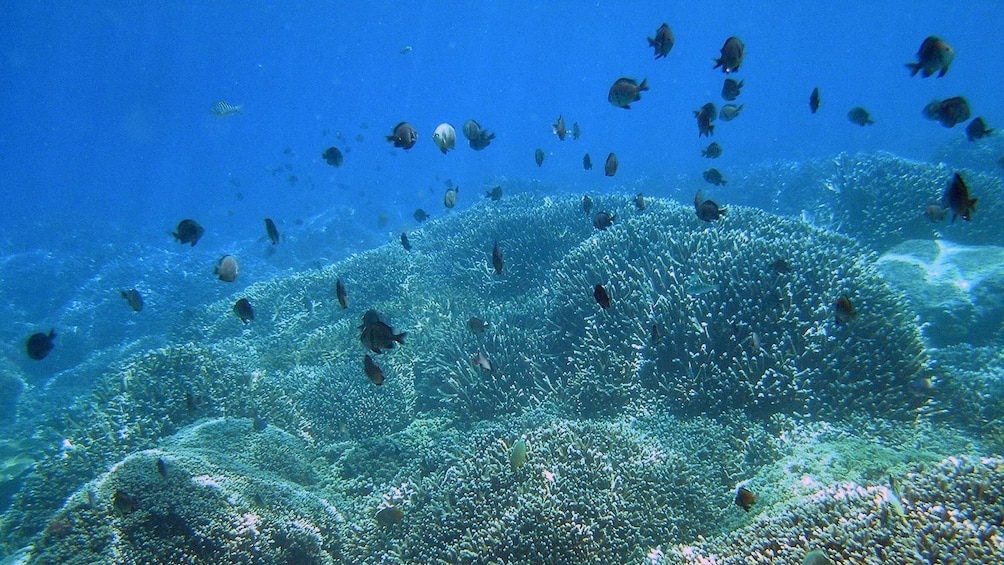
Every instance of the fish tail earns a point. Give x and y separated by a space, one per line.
52 333
400 337
643 85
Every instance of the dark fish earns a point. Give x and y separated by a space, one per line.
476 325
576 132
714 177
497 259
244 310
39 345
378 336
934 56
587 163
270 229
814 100
192 401
559 128
639 201
161 468
935 213
922 386
587 204
948 112
713 151
655 334
450 197
663 41
732 55
404 136
482 362
123 503
843 310
624 91
705 116
860 116
745 498
188 231
484 139
373 371
370 317
495 193
471 130
133 298
389 515
404 242
333 156
977 129
538 156
420 215
780 266
382 220
343 299
259 424
957 198
610 167
603 220
707 210
227 268
601 296
731 89
730 112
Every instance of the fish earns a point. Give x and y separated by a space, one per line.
404 242
471 130
732 55
377 336
714 176
333 157
844 310
270 229
405 50
482 362
39 344
445 137
731 89
476 325
707 210
223 109
517 454
133 298
696 287
161 467
587 204
745 498
450 197
705 116
730 112
227 269
603 220
977 129
483 140
188 231
655 334
576 132
948 112
780 266
957 198
343 299
816 557
258 423
935 212
123 503
538 156
420 215
497 258
389 515
373 371
814 100
601 296
624 91
639 201
559 128
495 193
244 310
403 136
610 167
587 163
713 151
933 56
858 115
922 386
662 42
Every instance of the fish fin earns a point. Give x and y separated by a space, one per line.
400 337
52 333
943 71
914 68
643 85
927 73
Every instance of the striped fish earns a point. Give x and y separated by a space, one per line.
223 109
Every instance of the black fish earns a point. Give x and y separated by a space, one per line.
858 115
780 266
270 229
538 156
655 334
476 325
576 132
731 89
333 156
610 167
745 498
559 128
948 112
587 204
244 310
161 468
133 298
603 220
663 41
714 177
389 515
343 300
814 100
377 336
484 139
495 193
497 259
933 56
957 198
732 55
39 345
404 242
420 215
404 136
601 296
713 151
587 163
977 129
707 210
705 116
844 311
259 424
639 201
123 503
624 91
188 231
373 371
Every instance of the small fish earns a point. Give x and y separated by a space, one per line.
977 129
601 296
471 130
705 116
377 336
483 140
133 298
730 112
780 266
663 41
713 151
161 468
731 89
227 269
603 220
707 210
517 454
403 136
957 198
816 557
745 498
123 503
244 310
714 177
333 157
639 201
559 128
389 515
495 193
538 156
497 261
482 362
420 215
405 50
39 345
948 112
624 91
343 299
732 55
936 213
587 204
696 287
587 163
445 137
188 231
576 132
610 167
223 109
476 325
844 311
922 386
450 197
655 334
814 100
933 56
373 371
272 231
404 242
858 115
259 423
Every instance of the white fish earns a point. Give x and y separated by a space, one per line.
223 109
445 137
